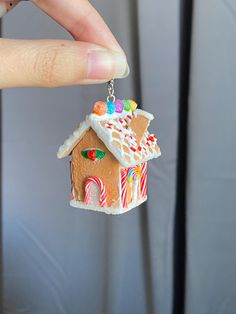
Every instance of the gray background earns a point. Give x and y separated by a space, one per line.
58 259
211 188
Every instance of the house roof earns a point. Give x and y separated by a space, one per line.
118 137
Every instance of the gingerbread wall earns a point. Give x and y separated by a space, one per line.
107 168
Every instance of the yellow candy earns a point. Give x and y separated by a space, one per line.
133 105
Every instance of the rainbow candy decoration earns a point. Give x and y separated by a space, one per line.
134 174
119 106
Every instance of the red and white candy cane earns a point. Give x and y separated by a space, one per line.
143 180
99 182
124 173
71 180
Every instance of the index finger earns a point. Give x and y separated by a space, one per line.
81 19
6 6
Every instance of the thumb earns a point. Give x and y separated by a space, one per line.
43 63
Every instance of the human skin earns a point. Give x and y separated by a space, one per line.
93 56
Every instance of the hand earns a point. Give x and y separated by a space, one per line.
94 57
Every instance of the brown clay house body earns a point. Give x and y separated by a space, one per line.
108 163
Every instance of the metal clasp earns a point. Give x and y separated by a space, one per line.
111 91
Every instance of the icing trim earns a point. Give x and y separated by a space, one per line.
105 134
146 114
108 210
133 154
107 116
70 143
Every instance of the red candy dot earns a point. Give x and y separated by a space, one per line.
92 154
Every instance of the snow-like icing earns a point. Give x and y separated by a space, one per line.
118 137
108 116
65 149
146 114
123 114
107 210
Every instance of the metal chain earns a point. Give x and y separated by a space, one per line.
111 91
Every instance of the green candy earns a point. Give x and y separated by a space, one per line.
84 153
126 105
99 153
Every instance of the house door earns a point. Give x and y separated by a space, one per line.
95 192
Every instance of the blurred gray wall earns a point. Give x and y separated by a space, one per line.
58 259
211 188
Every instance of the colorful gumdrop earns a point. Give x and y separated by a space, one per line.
110 107
126 105
119 106
133 105
100 108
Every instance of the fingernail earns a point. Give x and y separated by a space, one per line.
127 71
3 9
104 64
121 65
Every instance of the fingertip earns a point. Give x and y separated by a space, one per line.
106 64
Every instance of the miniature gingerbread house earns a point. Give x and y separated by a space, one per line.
109 154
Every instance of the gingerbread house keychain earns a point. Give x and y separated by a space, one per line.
109 154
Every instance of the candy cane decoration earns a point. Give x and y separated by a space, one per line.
99 182
124 173
71 180
143 181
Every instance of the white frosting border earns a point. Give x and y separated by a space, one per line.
65 149
146 114
107 210
92 121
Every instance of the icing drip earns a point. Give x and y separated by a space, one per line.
119 134
115 132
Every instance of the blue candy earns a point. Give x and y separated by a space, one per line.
110 107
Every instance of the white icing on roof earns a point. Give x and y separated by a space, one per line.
146 114
70 143
118 137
